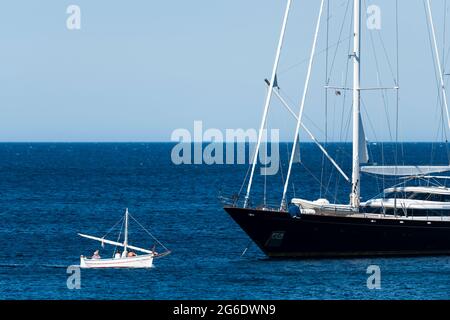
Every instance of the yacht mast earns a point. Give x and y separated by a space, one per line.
302 107
268 99
438 62
355 195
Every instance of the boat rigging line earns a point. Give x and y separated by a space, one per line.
324 152
438 60
302 106
268 99
149 233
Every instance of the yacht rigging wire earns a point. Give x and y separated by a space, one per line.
268 100
345 79
438 60
440 84
444 63
443 35
324 152
326 92
379 83
341 29
302 105
397 83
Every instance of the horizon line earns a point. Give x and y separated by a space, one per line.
194 142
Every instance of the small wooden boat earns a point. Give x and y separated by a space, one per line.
127 259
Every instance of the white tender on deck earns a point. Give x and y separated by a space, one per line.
323 207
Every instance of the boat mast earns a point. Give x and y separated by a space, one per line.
355 195
268 99
125 242
302 107
438 62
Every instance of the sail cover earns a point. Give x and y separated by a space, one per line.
363 151
404 170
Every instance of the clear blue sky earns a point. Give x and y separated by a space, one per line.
139 69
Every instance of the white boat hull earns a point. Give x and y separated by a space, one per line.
143 261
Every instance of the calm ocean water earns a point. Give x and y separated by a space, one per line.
49 192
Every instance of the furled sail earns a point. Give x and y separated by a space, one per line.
404 170
363 151
297 155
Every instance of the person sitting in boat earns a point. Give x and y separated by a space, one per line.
96 255
117 255
131 254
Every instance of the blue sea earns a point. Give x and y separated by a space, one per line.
51 191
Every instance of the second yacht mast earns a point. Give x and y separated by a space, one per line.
355 195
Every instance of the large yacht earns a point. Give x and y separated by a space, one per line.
403 220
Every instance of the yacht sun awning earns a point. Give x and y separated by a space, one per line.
400 171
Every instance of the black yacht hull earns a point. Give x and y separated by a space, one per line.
278 234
